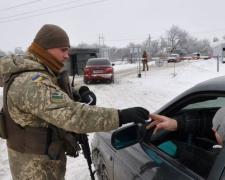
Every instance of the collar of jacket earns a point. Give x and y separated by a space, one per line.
54 64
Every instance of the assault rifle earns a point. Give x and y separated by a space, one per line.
64 83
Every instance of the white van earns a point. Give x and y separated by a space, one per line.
174 58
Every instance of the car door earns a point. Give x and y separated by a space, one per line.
218 169
134 163
202 164
152 159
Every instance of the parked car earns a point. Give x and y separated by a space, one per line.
132 152
98 70
198 55
174 58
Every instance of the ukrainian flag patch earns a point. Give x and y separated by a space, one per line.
37 78
57 97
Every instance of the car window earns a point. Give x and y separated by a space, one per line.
218 102
174 55
98 62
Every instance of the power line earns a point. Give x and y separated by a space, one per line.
54 11
39 10
209 31
126 39
155 37
18 5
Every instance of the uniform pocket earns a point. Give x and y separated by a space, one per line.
3 133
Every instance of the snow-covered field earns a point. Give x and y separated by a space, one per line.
155 88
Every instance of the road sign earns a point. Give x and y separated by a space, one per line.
135 50
159 62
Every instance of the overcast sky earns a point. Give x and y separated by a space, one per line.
118 21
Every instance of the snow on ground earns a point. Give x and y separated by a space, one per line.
155 88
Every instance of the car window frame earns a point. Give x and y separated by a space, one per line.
170 110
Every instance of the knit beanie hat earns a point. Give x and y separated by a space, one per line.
219 122
51 36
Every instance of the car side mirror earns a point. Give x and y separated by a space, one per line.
125 136
113 64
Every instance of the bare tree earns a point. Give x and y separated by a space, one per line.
175 34
163 46
154 47
2 53
83 45
191 45
18 50
10 52
204 47
215 39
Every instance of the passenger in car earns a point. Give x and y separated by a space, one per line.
195 126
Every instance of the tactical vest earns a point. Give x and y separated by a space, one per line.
52 141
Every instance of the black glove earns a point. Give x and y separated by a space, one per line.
87 96
135 114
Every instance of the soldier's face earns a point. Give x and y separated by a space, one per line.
60 54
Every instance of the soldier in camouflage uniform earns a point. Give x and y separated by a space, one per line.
145 61
35 100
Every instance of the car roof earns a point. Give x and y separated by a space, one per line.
216 84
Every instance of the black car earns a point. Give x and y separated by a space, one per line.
132 152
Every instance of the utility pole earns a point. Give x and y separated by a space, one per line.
149 40
102 39
99 40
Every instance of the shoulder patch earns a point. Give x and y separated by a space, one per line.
37 78
57 97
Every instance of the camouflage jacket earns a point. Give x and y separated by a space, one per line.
34 100
145 55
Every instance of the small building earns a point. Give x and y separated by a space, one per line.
219 50
78 58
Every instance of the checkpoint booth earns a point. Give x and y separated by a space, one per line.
219 50
78 58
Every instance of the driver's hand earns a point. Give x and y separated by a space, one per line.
162 122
